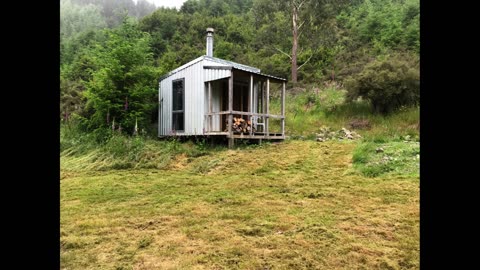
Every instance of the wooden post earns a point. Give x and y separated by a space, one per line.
283 109
230 109
210 106
251 103
268 107
241 100
263 98
260 102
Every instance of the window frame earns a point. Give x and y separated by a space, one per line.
183 106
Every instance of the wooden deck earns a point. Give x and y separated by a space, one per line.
267 137
254 135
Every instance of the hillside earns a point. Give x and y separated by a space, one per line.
113 53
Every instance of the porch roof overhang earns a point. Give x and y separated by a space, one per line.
245 70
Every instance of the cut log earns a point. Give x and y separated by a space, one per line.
240 125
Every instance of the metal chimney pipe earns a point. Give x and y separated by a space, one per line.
210 42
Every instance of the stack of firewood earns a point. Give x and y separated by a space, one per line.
240 125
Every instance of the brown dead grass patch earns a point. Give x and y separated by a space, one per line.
180 162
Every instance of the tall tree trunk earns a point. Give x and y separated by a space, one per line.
295 43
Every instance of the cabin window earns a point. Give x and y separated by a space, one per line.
178 105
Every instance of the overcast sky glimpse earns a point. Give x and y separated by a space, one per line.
167 3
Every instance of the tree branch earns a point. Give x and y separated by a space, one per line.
300 26
297 6
289 56
300 5
300 31
305 61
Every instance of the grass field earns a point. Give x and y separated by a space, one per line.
293 205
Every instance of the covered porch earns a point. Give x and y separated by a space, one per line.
238 105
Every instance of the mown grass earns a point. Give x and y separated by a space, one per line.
142 203
374 159
294 205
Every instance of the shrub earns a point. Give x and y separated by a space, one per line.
387 84
331 98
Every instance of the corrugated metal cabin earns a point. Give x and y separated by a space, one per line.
208 96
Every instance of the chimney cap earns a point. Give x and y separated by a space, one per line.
210 30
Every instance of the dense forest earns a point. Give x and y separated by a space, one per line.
113 51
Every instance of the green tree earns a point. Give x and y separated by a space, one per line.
290 23
190 7
124 86
71 99
385 24
162 25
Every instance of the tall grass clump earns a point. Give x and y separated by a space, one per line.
105 149
308 110
73 141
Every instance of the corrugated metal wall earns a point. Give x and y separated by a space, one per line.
217 92
195 77
216 74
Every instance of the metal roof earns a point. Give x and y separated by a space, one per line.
270 76
232 67
220 61
235 65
